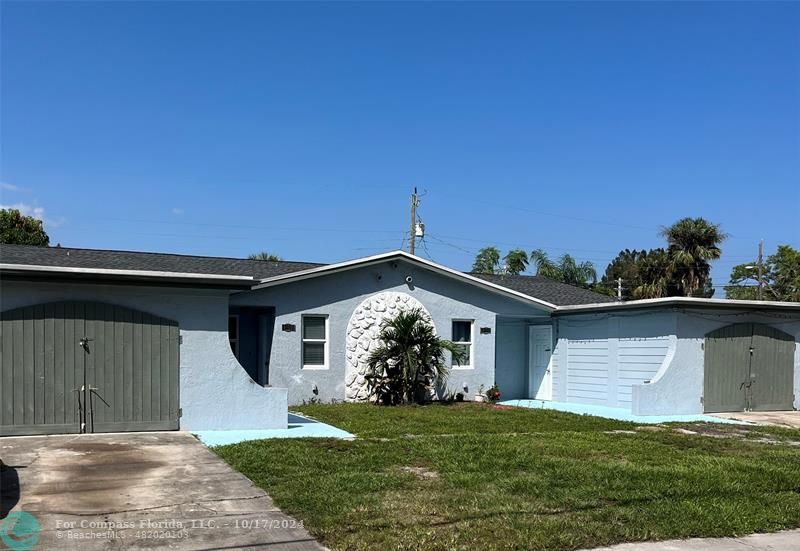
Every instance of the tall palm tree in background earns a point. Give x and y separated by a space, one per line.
409 361
266 256
692 244
566 269
487 261
516 261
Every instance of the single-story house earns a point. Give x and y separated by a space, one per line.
98 340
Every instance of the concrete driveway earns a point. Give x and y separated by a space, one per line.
138 491
790 419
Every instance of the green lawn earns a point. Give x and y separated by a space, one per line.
481 477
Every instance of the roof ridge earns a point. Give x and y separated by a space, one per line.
156 253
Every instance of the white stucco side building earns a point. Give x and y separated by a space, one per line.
652 357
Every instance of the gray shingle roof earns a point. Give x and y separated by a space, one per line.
542 288
545 289
159 262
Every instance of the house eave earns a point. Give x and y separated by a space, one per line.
66 272
679 302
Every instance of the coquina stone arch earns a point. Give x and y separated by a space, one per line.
362 336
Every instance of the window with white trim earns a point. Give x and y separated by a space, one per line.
462 338
233 334
315 342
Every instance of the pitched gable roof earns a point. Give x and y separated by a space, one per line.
384 257
145 265
546 289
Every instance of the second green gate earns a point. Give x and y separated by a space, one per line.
748 366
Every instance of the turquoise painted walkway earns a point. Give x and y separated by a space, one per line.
620 414
299 427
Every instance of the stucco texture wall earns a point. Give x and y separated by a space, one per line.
215 391
338 295
511 354
678 386
651 362
602 357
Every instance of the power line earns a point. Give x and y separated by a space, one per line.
236 226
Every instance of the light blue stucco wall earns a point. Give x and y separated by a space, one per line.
512 349
678 386
215 391
511 357
338 295
650 361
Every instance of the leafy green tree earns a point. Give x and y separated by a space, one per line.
655 278
781 278
691 244
516 261
409 361
566 269
18 229
625 266
487 261
265 256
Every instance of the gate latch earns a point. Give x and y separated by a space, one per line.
84 343
751 350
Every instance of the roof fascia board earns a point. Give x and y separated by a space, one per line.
677 301
110 272
370 260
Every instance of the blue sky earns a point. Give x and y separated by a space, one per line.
301 128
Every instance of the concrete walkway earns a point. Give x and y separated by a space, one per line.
138 491
781 541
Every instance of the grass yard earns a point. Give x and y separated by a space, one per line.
482 477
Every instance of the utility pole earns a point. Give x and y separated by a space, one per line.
619 289
760 269
412 229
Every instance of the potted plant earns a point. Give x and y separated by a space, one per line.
493 394
481 395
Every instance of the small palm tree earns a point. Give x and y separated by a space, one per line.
566 269
576 273
410 360
545 266
266 256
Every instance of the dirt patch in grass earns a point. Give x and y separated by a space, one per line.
725 432
422 473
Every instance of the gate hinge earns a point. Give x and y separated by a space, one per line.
701 399
180 339
180 413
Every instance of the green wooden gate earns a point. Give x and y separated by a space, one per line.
748 366
87 367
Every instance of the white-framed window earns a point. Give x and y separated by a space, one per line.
233 334
315 341
462 336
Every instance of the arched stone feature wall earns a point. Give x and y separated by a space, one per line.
362 336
